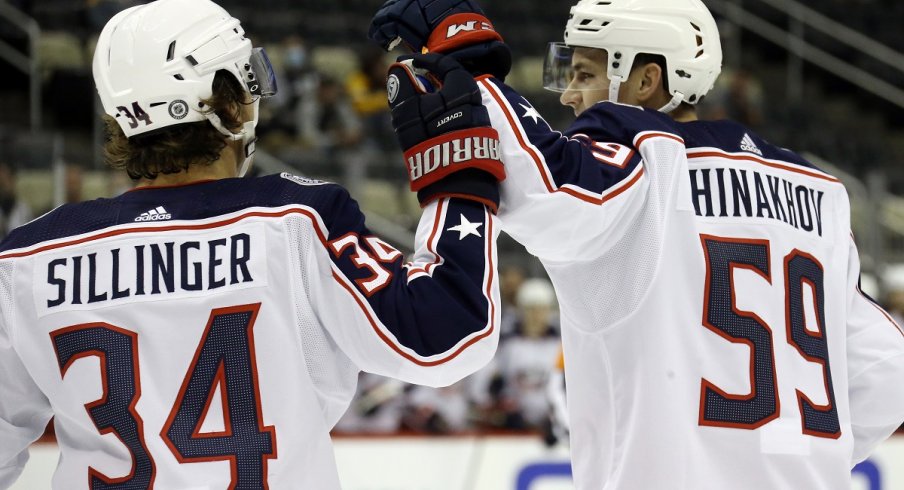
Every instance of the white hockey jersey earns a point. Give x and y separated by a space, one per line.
714 333
210 335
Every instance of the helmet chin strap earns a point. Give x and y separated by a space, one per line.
614 84
677 99
247 136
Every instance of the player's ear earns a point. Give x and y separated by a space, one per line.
649 82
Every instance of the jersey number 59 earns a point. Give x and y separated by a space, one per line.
722 316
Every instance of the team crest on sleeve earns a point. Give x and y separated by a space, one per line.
302 180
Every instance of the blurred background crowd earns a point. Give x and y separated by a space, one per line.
826 79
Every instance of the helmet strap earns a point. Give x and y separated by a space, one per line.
247 136
677 99
614 84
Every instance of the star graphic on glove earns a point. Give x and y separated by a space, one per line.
531 113
466 228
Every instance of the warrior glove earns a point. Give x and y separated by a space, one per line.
450 148
458 28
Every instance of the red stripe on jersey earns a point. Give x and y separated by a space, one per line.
428 268
769 163
643 137
398 348
512 121
143 229
618 190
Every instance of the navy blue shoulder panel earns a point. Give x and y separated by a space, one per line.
620 123
190 202
733 137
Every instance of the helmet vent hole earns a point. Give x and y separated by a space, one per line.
590 25
178 77
696 28
699 54
171 52
699 41
693 98
604 3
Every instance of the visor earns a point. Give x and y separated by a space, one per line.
557 72
259 76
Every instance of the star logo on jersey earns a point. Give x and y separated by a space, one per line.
466 228
531 113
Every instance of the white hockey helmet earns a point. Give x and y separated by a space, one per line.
682 31
536 292
155 63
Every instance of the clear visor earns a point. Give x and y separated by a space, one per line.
574 68
259 74
557 70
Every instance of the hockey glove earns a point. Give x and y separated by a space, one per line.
458 28
450 148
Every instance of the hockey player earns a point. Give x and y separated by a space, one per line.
715 333
205 331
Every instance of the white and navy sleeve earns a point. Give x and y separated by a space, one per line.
875 367
430 321
592 173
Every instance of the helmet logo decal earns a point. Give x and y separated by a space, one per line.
178 109
392 88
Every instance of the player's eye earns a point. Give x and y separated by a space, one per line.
583 76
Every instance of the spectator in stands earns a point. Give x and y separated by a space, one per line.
13 211
298 81
376 408
521 370
327 122
737 96
74 182
558 429
437 410
510 279
367 90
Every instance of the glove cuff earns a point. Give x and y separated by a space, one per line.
471 184
461 30
439 157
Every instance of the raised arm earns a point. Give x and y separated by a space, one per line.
434 320
581 186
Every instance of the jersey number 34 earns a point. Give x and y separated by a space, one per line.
224 359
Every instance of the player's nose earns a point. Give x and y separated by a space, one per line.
571 98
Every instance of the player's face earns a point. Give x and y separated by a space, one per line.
589 83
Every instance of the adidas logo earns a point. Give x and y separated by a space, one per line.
747 144
156 214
